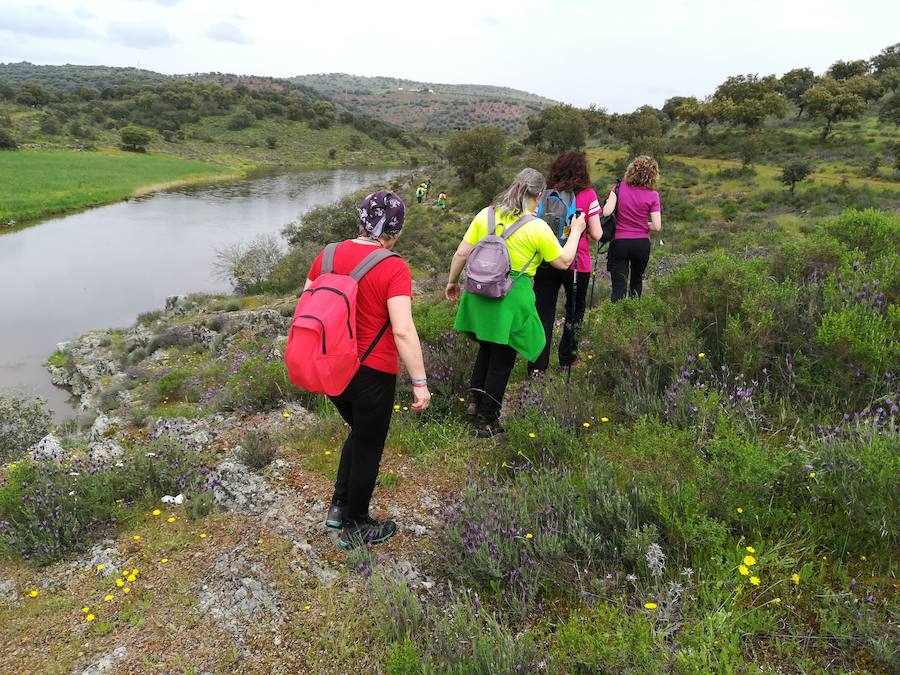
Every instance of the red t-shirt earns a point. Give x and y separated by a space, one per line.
387 279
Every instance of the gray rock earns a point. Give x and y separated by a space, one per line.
195 434
237 488
8 592
107 663
48 449
103 453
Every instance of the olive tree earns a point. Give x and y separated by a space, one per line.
475 151
833 102
794 172
134 138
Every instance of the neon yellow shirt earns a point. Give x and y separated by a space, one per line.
532 239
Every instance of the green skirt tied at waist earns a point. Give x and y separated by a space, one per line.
512 320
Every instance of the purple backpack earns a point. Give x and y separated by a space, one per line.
488 267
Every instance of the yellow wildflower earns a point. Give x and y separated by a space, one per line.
812 474
754 581
120 583
202 535
108 598
137 537
744 570
604 419
132 578
590 356
89 617
164 561
749 560
750 549
307 607
85 610
327 452
531 434
528 535
126 590
396 408
740 509
170 519
286 414
650 605
701 355
862 557
462 400
156 512
586 425
777 601
135 571
100 567
795 578
406 408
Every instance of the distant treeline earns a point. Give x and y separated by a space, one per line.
170 105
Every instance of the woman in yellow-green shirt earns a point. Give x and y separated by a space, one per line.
506 326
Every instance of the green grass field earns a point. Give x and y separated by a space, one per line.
34 184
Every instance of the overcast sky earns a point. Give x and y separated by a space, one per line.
617 55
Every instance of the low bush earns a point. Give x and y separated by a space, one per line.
258 449
48 511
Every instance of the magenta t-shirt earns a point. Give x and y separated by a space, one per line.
583 201
634 208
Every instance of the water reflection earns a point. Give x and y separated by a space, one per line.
102 267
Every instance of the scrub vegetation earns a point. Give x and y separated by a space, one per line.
714 490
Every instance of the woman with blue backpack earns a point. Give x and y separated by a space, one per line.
568 190
501 250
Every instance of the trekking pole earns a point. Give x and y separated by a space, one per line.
570 319
594 276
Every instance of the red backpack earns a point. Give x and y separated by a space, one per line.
321 353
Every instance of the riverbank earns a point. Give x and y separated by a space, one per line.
36 184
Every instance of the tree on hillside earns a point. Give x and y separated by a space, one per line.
135 139
890 79
7 142
794 172
671 106
750 147
702 113
844 70
6 92
888 58
747 100
33 95
643 130
831 101
794 83
864 86
557 128
242 119
595 118
475 151
890 110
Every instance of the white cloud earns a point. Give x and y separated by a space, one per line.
223 31
146 35
42 22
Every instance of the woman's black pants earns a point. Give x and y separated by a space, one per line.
493 365
547 282
366 405
627 258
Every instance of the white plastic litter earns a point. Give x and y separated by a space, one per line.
169 499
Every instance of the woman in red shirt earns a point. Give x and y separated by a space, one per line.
383 313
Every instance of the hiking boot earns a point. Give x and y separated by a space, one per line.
488 428
335 517
363 531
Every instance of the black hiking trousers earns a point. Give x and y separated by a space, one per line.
627 257
493 365
366 405
547 282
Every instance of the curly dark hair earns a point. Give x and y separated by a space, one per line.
569 172
642 172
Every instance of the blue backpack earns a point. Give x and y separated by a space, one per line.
557 208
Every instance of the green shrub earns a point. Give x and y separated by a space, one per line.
170 385
48 511
258 384
608 640
258 449
870 231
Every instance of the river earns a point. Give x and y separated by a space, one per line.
102 267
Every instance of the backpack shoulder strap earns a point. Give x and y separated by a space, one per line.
509 231
367 263
492 221
328 258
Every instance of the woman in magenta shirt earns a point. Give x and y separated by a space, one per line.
638 213
568 173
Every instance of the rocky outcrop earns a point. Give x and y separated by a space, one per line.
48 449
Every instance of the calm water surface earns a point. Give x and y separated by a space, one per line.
102 267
